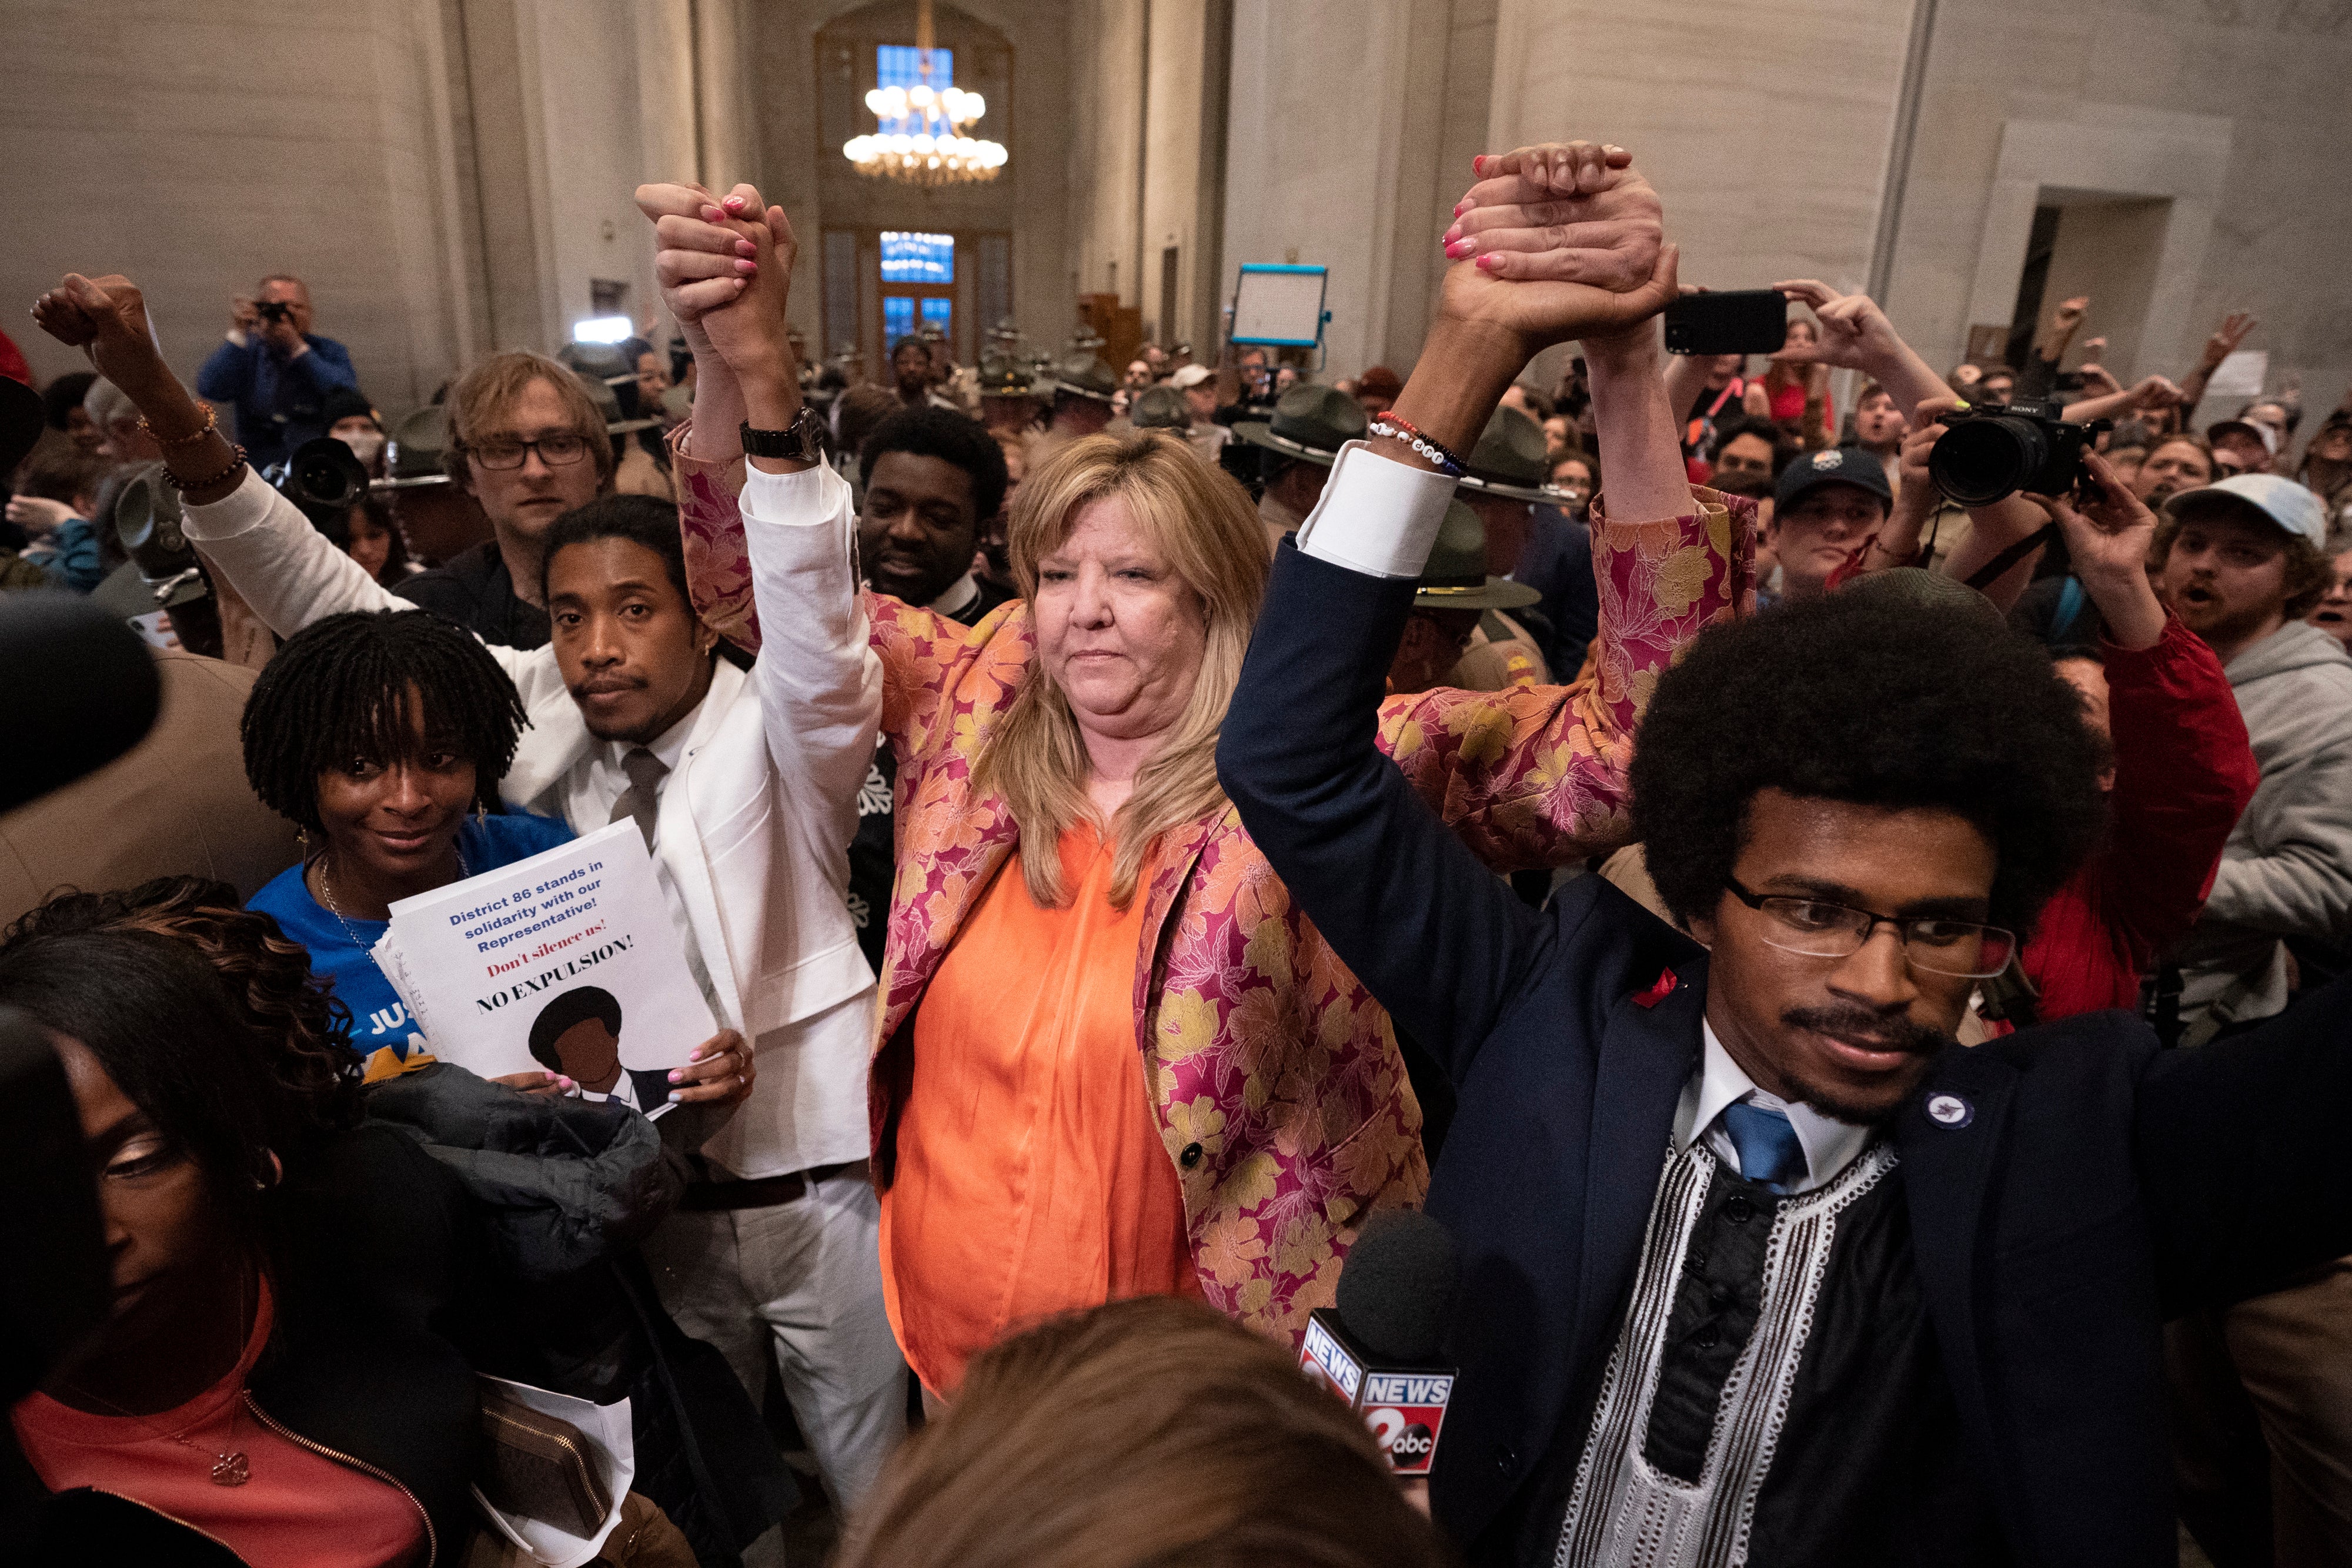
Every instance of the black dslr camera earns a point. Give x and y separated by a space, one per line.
1990 451
324 478
274 310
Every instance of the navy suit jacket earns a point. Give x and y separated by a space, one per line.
2098 1185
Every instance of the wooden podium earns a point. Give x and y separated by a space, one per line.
1121 327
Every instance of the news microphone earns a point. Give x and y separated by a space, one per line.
56 1297
1378 1347
82 690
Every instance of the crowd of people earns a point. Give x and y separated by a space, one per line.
1133 828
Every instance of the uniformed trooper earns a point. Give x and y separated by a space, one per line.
1083 390
1009 403
438 519
1446 640
1504 477
1160 408
1309 425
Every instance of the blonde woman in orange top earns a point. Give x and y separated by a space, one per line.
1127 1064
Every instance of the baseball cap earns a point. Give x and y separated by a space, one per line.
2262 433
1835 465
2293 509
1190 377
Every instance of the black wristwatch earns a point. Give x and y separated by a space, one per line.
803 441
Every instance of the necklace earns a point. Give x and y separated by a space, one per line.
230 1468
327 893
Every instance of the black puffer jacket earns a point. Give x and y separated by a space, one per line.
561 1191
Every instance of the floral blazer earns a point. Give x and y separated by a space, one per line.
1279 1092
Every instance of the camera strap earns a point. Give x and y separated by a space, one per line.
1993 570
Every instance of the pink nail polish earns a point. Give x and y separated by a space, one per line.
734 204
1460 207
1459 248
678 1078
712 214
1489 262
747 266
1478 164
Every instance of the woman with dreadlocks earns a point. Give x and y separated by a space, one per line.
382 736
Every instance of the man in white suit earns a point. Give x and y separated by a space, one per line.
635 717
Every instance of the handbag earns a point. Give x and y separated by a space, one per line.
539 1466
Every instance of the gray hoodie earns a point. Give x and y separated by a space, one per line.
2287 868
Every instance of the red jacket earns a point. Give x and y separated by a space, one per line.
2184 772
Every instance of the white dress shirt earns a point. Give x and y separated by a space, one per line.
1830 1145
956 596
597 782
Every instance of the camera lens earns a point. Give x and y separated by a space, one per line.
324 473
1978 460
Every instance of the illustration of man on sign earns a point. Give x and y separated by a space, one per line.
578 1034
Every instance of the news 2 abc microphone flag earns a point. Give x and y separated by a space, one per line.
1378 1347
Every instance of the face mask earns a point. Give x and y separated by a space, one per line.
366 448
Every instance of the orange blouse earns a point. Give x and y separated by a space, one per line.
1032 1178
295 1510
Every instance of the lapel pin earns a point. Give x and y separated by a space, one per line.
1950 1110
1660 990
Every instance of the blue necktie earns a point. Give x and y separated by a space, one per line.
1768 1146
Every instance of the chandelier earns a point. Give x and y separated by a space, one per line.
938 151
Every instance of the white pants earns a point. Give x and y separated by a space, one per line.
807 1275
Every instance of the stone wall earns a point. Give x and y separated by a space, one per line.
451 175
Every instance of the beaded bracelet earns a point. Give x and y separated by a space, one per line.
1396 429
235 461
211 424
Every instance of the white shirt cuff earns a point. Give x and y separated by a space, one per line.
236 335
801 499
240 511
1376 515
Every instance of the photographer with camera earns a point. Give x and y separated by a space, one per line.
2003 453
275 371
2180 770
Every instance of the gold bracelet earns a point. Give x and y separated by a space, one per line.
212 423
235 461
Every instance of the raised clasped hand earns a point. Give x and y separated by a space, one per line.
106 318
1558 242
724 266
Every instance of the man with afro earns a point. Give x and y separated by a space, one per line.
1759 1263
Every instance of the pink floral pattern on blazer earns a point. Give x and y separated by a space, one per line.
1280 1094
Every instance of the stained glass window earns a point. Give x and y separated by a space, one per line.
911 257
900 65
897 319
939 313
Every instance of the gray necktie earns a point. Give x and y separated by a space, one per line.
641 801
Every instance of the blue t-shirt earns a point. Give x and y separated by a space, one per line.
379 1022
